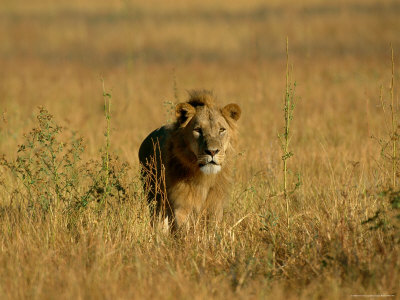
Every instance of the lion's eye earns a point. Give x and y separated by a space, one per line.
222 130
197 130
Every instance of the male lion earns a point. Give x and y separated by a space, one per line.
186 165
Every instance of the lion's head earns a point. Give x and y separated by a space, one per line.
206 131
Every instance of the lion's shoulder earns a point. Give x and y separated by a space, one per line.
154 143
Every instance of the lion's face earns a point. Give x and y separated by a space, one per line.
207 133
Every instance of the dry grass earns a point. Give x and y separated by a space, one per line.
54 54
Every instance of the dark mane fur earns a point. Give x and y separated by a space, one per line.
201 98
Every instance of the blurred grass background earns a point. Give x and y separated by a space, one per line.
54 53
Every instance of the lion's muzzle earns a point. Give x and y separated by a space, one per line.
210 163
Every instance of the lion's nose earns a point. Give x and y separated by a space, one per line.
212 152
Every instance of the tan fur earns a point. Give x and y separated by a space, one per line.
186 166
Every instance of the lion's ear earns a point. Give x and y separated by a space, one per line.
232 111
184 112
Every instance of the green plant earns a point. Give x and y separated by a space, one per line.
387 216
394 134
106 154
50 168
47 166
388 143
289 106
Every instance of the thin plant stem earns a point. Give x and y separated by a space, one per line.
289 105
394 131
107 113
288 109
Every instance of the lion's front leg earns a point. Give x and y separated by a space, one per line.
215 204
182 216
181 200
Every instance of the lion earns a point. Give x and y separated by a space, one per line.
186 166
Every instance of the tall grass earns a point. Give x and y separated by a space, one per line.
93 251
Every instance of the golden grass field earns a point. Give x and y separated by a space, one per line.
54 54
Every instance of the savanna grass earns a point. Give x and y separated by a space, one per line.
92 251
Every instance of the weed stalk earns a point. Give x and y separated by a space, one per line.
285 139
394 122
106 160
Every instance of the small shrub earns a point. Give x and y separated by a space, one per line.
47 166
50 169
